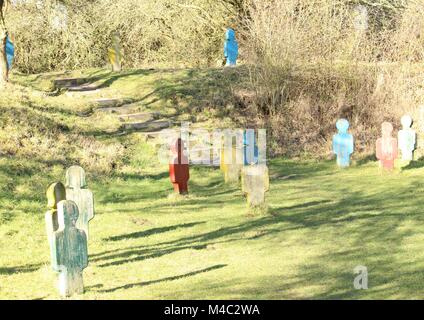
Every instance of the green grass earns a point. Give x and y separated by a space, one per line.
146 243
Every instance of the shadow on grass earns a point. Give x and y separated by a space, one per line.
173 278
19 269
415 164
151 232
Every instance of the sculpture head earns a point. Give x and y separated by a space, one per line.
55 193
75 177
386 129
230 34
406 121
67 213
342 125
178 146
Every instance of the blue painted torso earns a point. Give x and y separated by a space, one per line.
10 53
343 148
249 144
231 48
343 143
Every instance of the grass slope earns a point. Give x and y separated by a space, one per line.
145 243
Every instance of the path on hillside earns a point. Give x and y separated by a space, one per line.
131 116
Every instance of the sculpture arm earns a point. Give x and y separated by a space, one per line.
351 145
378 149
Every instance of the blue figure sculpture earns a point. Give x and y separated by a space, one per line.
10 53
250 147
231 48
343 143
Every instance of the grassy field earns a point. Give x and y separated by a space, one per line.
146 243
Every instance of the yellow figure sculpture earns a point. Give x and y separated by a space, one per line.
255 183
115 55
231 162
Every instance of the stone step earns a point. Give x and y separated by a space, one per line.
66 83
148 126
84 88
143 116
107 104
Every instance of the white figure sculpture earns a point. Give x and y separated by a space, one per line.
406 138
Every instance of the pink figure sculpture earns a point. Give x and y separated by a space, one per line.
386 147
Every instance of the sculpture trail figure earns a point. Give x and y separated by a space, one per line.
343 143
231 162
77 191
179 171
255 183
69 250
230 48
251 151
55 193
10 53
115 55
386 147
407 138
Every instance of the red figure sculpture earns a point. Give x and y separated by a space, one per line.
386 147
178 168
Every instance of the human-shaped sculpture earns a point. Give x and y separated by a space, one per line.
407 138
230 47
386 147
77 191
115 54
179 168
343 143
55 193
10 53
231 161
69 250
255 183
251 151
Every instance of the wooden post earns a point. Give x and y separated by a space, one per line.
4 70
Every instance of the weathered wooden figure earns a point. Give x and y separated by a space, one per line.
343 143
77 191
386 147
179 171
255 183
69 250
230 48
407 138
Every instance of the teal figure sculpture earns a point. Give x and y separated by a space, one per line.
10 53
69 250
251 151
343 143
406 138
231 48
